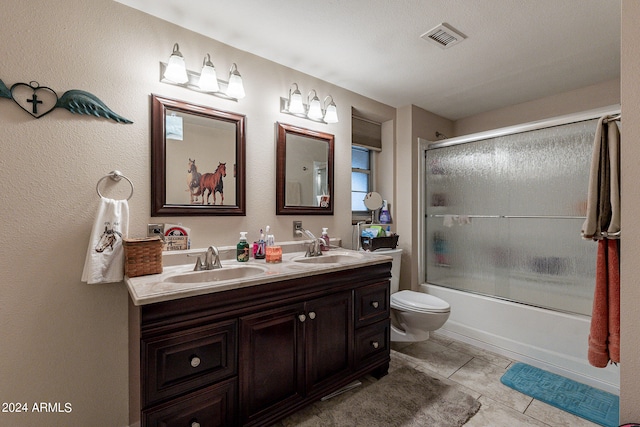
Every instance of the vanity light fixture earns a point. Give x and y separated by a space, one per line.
296 106
235 88
313 110
175 72
330 111
208 79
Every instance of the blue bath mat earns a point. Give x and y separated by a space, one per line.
578 399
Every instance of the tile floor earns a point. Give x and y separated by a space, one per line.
477 372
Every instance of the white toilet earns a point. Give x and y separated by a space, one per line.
413 314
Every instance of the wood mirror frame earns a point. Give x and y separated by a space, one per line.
184 185
283 151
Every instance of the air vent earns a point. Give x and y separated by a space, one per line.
443 36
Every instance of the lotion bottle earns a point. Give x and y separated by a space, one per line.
242 250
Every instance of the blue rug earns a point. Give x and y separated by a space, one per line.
578 399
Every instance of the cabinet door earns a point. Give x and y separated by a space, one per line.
271 360
329 338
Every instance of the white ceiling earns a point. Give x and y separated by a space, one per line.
515 50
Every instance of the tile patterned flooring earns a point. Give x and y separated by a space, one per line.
477 372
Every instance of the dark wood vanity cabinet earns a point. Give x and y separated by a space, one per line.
254 355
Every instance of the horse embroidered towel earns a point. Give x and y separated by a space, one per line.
104 262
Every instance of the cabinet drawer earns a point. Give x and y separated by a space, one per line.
182 361
372 341
211 407
372 303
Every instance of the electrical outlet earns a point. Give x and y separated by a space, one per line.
297 225
155 230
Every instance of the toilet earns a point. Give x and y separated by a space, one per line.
413 314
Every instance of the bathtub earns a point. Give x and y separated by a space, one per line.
550 340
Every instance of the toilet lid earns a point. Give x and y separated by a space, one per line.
419 301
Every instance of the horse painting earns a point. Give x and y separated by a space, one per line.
193 181
212 182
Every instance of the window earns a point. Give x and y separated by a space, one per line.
360 178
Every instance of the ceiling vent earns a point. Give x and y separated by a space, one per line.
443 36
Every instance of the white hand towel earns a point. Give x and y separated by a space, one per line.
104 262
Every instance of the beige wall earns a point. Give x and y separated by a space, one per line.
65 341
412 123
599 95
630 243
62 340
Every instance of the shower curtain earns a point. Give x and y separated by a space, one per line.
603 225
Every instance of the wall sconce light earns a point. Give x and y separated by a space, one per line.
176 69
236 88
208 78
296 105
313 110
176 73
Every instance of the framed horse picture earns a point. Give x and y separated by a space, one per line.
197 160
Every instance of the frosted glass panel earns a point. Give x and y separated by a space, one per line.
503 217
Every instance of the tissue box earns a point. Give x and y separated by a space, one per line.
142 256
373 243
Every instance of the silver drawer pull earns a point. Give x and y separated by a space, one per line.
375 344
195 362
374 304
302 317
195 424
312 315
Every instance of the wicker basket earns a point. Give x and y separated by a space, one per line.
142 256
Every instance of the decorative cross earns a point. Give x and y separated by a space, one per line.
35 101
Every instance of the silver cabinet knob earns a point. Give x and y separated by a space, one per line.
302 317
195 362
312 315
374 304
375 344
195 424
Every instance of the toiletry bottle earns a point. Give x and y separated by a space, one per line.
325 238
242 251
261 247
389 234
385 218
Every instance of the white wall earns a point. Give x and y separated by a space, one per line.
62 340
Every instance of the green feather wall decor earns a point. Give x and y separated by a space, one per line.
40 100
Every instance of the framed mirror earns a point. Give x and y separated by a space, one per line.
197 160
304 171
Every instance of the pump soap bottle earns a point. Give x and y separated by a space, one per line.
325 238
242 250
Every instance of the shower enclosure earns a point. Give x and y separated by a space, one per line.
500 241
503 217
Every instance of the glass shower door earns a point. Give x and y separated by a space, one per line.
503 217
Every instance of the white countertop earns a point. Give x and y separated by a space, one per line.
155 288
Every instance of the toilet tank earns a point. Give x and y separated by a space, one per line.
396 254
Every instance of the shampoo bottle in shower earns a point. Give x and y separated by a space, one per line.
242 250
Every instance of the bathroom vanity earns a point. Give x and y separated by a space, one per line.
252 350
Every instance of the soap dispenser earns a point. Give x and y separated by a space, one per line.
325 238
242 250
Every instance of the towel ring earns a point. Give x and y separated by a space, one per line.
116 176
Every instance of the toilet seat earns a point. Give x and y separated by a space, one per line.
419 302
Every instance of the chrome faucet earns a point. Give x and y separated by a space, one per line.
314 248
211 260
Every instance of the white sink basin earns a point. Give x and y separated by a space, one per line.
329 259
224 273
